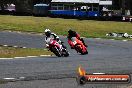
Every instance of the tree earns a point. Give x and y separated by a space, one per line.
22 6
122 5
42 1
126 5
26 6
3 3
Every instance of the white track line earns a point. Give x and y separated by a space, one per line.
112 39
25 57
5 58
45 55
15 46
19 57
124 40
24 47
22 77
97 38
5 45
32 56
45 49
9 78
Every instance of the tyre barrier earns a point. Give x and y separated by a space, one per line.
124 35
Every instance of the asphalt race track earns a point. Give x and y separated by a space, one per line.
105 56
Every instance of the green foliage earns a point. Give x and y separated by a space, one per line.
22 5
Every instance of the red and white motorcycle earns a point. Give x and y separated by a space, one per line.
56 48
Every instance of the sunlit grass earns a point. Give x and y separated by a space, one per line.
87 28
8 52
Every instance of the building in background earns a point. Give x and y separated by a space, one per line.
40 10
79 8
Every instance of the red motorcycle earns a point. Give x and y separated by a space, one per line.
56 48
78 45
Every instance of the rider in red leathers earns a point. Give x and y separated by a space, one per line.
71 34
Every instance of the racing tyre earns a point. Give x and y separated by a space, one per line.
81 80
86 52
66 53
56 52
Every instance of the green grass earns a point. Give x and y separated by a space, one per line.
87 28
8 52
3 82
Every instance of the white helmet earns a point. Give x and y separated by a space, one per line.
47 30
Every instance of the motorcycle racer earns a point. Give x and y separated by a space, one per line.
52 35
54 44
71 34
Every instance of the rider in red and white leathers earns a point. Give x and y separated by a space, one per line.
50 35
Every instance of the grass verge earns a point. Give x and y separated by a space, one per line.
8 52
87 28
3 82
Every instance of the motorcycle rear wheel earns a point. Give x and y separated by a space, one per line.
66 53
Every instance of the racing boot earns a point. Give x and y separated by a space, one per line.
83 42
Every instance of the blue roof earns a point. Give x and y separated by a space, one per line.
41 5
101 2
79 1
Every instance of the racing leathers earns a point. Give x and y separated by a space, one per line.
54 37
74 34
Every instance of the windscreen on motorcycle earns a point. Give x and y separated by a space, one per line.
73 39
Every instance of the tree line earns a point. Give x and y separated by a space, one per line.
27 5
22 5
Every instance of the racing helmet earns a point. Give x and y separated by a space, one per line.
47 32
70 32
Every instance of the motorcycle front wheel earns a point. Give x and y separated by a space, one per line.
56 51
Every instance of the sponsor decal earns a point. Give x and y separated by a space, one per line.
84 78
